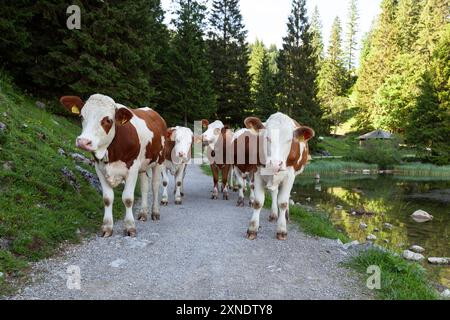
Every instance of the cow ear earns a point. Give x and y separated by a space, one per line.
123 116
72 103
170 134
205 123
254 124
304 133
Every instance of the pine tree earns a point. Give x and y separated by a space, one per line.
298 70
188 92
332 75
257 52
265 95
228 55
407 23
316 31
351 36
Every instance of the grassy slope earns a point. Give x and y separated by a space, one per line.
38 208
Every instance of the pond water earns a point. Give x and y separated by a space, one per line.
392 200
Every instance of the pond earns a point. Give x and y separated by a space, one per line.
392 199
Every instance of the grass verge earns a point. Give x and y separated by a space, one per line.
400 280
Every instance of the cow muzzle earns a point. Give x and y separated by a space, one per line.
84 144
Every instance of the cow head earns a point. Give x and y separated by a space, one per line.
212 133
99 117
183 138
278 134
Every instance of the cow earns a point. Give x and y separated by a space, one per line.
177 154
126 143
217 138
245 164
285 152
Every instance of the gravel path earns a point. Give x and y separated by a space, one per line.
199 251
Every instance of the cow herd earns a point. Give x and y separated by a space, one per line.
129 143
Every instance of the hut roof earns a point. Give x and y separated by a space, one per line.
377 134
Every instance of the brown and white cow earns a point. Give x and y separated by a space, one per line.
126 143
285 150
177 154
217 138
245 162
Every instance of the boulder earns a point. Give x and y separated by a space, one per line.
417 249
412 256
421 216
91 178
439 261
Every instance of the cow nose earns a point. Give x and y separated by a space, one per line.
84 144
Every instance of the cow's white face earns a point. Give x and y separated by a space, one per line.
183 138
277 135
99 116
212 134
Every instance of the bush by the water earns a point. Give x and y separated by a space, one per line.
383 153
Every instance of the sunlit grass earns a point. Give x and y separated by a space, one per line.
422 170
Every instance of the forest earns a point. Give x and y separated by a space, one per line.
202 66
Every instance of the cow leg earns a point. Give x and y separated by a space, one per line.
257 206
283 204
240 182
179 183
215 172
225 173
234 180
182 181
156 176
274 211
108 200
143 213
165 183
252 189
128 201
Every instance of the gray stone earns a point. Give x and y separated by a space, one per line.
2 127
81 159
40 105
417 249
362 225
439 261
117 263
91 178
421 216
351 244
61 152
412 256
388 226
371 237
445 293
70 178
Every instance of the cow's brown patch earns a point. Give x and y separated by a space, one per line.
165 183
294 155
107 202
168 149
179 184
284 206
106 124
128 203
257 205
125 146
156 124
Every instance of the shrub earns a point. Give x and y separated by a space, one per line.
381 152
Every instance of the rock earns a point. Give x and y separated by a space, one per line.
412 256
117 263
308 199
417 249
445 293
376 230
317 177
421 216
386 241
371 237
291 202
388 226
362 225
40 105
351 245
439 261
2 127
366 172
1 275
81 159
91 178
8 165
24 126
70 178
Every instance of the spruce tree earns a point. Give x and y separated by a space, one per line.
317 39
229 55
298 70
188 94
265 95
257 52
351 41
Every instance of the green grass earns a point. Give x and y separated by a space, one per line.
400 280
339 147
39 209
206 169
422 170
336 167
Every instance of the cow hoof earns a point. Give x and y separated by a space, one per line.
130 232
282 236
178 202
240 202
250 203
155 216
214 197
106 233
182 194
251 235
235 189
225 196
143 216
273 217
164 203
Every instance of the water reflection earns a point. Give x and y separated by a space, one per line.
392 200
